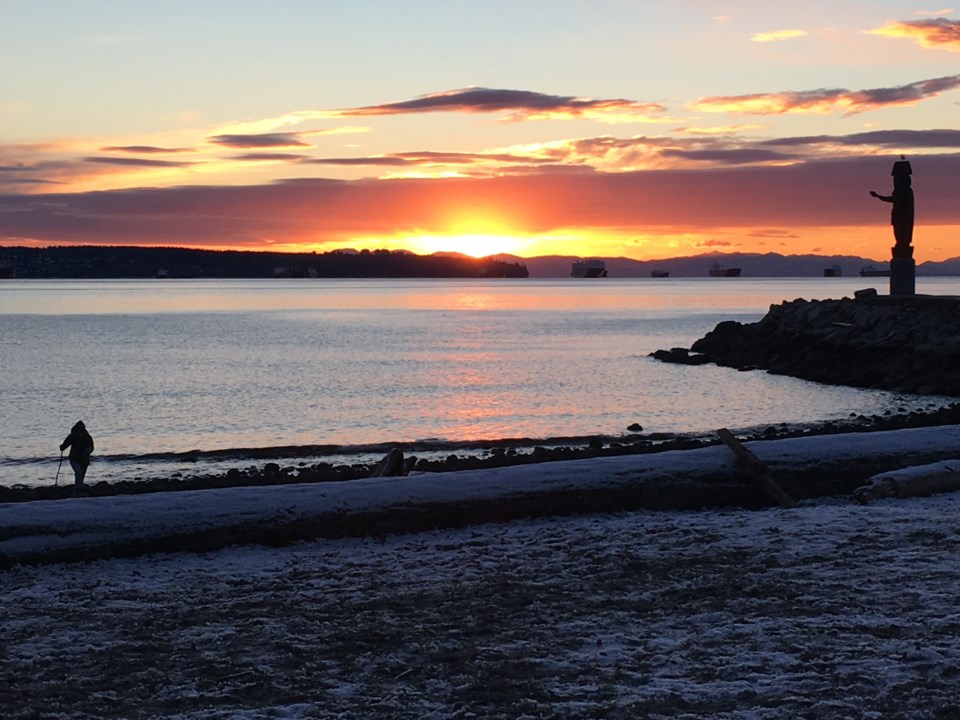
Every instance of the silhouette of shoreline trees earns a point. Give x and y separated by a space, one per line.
105 262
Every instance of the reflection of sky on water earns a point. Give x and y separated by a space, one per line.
274 363
744 295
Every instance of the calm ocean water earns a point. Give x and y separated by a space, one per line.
167 366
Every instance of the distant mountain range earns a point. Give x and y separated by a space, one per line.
751 265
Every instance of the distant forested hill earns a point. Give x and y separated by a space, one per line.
751 265
138 262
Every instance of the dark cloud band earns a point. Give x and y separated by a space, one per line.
262 140
336 211
520 104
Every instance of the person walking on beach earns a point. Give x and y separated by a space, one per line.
81 447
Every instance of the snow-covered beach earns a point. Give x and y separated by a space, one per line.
826 611
829 610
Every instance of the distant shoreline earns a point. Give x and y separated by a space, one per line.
133 262
114 263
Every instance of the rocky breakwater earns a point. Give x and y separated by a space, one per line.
902 344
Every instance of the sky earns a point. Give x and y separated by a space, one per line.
619 128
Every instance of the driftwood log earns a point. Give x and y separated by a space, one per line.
394 465
912 482
753 465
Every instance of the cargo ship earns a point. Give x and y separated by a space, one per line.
718 270
588 269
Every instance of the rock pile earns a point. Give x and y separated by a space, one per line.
902 344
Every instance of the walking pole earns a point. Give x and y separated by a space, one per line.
57 481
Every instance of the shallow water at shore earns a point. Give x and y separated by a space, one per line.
159 369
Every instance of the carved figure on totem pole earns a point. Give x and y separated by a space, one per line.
901 215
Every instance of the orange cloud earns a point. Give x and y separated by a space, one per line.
777 35
39 167
606 153
721 129
825 101
935 33
430 158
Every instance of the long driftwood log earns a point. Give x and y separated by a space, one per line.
912 482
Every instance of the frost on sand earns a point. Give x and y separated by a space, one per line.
831 610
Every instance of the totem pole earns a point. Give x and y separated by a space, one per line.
902 265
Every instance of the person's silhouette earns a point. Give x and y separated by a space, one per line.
81 447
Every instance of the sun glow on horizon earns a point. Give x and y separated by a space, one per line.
473 244
934 244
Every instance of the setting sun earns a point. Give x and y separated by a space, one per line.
475 245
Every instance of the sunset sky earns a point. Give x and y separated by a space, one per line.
637 128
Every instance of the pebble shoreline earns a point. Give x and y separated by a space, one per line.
491 454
